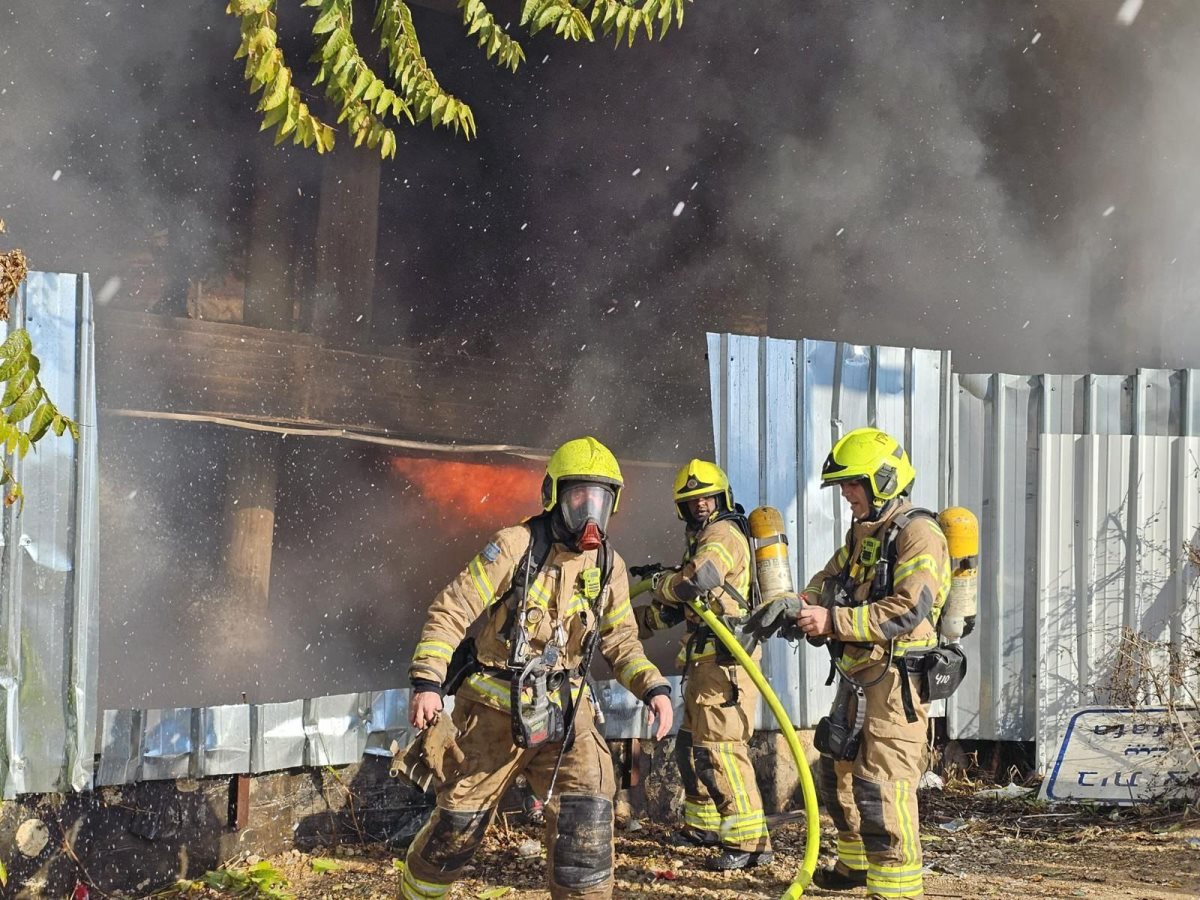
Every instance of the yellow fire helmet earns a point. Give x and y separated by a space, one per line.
700 478
873 456
581 459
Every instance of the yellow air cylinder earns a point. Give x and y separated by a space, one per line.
962 537
771 553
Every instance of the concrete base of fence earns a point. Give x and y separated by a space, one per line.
136 838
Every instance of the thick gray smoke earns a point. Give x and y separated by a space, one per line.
1012 181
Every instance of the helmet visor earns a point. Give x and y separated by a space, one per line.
585 500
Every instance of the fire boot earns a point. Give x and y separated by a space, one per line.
729 859
693 837
834 879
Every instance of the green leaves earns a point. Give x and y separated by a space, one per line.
361 96
567 20
282 105
261 880
365 102
321 865
24 398
419 87
626 17
491 37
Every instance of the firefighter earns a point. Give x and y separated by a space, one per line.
722 806
876 603
549 591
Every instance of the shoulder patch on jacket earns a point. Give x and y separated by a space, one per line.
491 552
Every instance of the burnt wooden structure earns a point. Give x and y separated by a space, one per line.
150 365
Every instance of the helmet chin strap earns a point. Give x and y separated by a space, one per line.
590 538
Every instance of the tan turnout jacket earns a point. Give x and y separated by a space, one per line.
555 599
908 615
718 554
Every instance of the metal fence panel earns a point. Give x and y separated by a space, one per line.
999 424
1116 513
336 729
153 744
223 747
167 743
49 586
777 407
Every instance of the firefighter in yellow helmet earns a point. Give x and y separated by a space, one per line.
549 592
876 603
722 805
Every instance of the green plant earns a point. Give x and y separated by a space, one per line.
368 105
261 880
26 410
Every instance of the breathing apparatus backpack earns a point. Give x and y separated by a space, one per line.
737 516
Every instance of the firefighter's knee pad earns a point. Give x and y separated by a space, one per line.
707 771
827 790
683 759
583 848
869 798
454 836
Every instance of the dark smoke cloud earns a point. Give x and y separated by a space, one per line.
1011 180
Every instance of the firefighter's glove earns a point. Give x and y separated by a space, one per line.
656 616
666 615
646 571
777 617
968 625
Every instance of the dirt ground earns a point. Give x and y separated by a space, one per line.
973 848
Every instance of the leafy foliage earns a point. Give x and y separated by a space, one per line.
261 880
321 864
420 87
366 102
492 38
625 18
26 410
566 18
281 103
361 96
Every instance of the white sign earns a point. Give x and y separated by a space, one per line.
1126 756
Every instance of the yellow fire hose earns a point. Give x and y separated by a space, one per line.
812 837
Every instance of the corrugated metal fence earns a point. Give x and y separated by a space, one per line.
1011 452
49 586
777 407
1087 488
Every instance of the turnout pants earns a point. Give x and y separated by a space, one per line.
579 819
713 753
873 799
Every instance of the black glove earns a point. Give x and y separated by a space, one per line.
968 625
646 570
776 617
668 614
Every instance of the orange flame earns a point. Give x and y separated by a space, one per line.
478 494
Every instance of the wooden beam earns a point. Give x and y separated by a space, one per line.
155 364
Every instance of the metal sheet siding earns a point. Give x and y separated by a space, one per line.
48 593
1116 513
1016 450
777 407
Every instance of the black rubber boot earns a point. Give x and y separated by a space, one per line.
728 860
693 837
834 879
